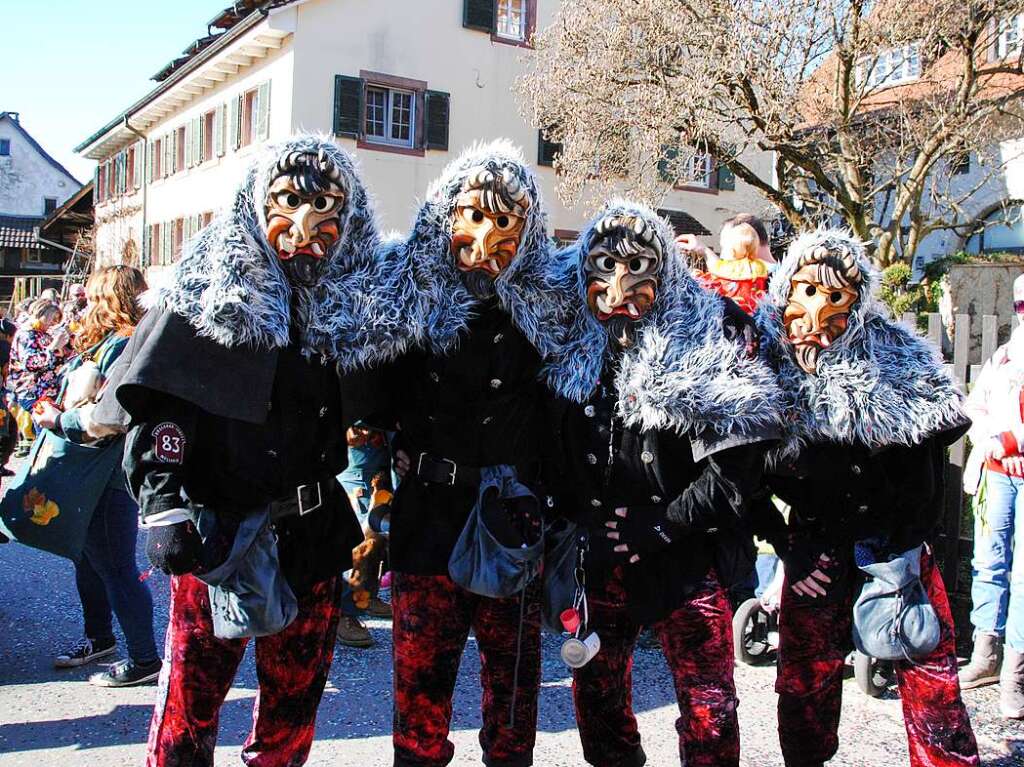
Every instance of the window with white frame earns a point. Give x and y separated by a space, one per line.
511 19
698 170
1011 31
891 67
390 116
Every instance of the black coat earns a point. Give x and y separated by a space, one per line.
654 472
479 406
840 494
188 447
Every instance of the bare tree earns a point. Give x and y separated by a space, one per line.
869 109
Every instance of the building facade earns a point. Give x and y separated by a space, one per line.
404 85
32 186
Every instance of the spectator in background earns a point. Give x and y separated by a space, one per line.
369 467
107 576
74 308
38 351
8 426
995 475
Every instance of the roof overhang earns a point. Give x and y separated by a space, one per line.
254 38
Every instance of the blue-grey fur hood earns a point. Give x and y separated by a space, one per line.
525 289
230 286
682 373
878 384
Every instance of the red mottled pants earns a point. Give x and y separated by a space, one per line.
696 640
291 667
432 619
814 640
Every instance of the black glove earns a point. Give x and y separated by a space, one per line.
175 549
800 554
644 530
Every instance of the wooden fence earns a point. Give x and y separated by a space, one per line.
954 545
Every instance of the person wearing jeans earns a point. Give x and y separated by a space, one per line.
995 476
107 576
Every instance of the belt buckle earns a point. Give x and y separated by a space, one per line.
451 476
319 499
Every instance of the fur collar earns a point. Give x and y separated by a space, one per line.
527 289
879 384
682 373
230 287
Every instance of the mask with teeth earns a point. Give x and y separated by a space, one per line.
490 213
823 291
304 206
623 268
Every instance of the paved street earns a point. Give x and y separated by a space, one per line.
50 717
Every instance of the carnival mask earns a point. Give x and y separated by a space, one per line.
822 294
490 214
623 268
304 205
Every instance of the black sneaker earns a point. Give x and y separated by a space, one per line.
127 673
86 651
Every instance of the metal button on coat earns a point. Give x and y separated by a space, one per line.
647 456
655 499
862 509
855 469
595 502
591 458
487 420
495 383
497 338
588 411
323 412
435 377
272 453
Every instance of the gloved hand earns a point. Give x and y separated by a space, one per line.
175 549
640 530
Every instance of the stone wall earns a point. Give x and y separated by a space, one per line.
977 290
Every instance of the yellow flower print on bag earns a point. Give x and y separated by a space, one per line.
43 510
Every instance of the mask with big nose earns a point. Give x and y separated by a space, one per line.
822 294
304 205
623 269
490 215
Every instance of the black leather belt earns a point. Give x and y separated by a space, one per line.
306 499
443 471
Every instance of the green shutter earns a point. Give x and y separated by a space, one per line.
218 131
724 175
140 154
189 144
478 14
666 165
96 184
547 150
234 123
348 106
436 105
263 111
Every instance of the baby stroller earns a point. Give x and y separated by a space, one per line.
755 630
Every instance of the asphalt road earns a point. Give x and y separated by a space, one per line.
50 717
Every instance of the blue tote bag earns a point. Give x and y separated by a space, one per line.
51 500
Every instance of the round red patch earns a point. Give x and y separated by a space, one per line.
169 442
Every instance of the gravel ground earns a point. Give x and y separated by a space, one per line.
50 717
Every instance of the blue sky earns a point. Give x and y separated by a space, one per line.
70 66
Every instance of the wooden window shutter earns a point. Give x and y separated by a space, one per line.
437 107
96 185
147 238
201 140
263 111
348 106
547 150
724 177
140 153
666 165
168 167
234 122
189 143
478 14
218 131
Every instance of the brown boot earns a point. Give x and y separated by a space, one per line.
352 633
1011 685
986 658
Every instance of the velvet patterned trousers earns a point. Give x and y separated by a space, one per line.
814 641
291 668
696 640
432 620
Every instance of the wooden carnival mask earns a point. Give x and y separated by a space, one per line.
623 268
490 215
823 291
303 210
